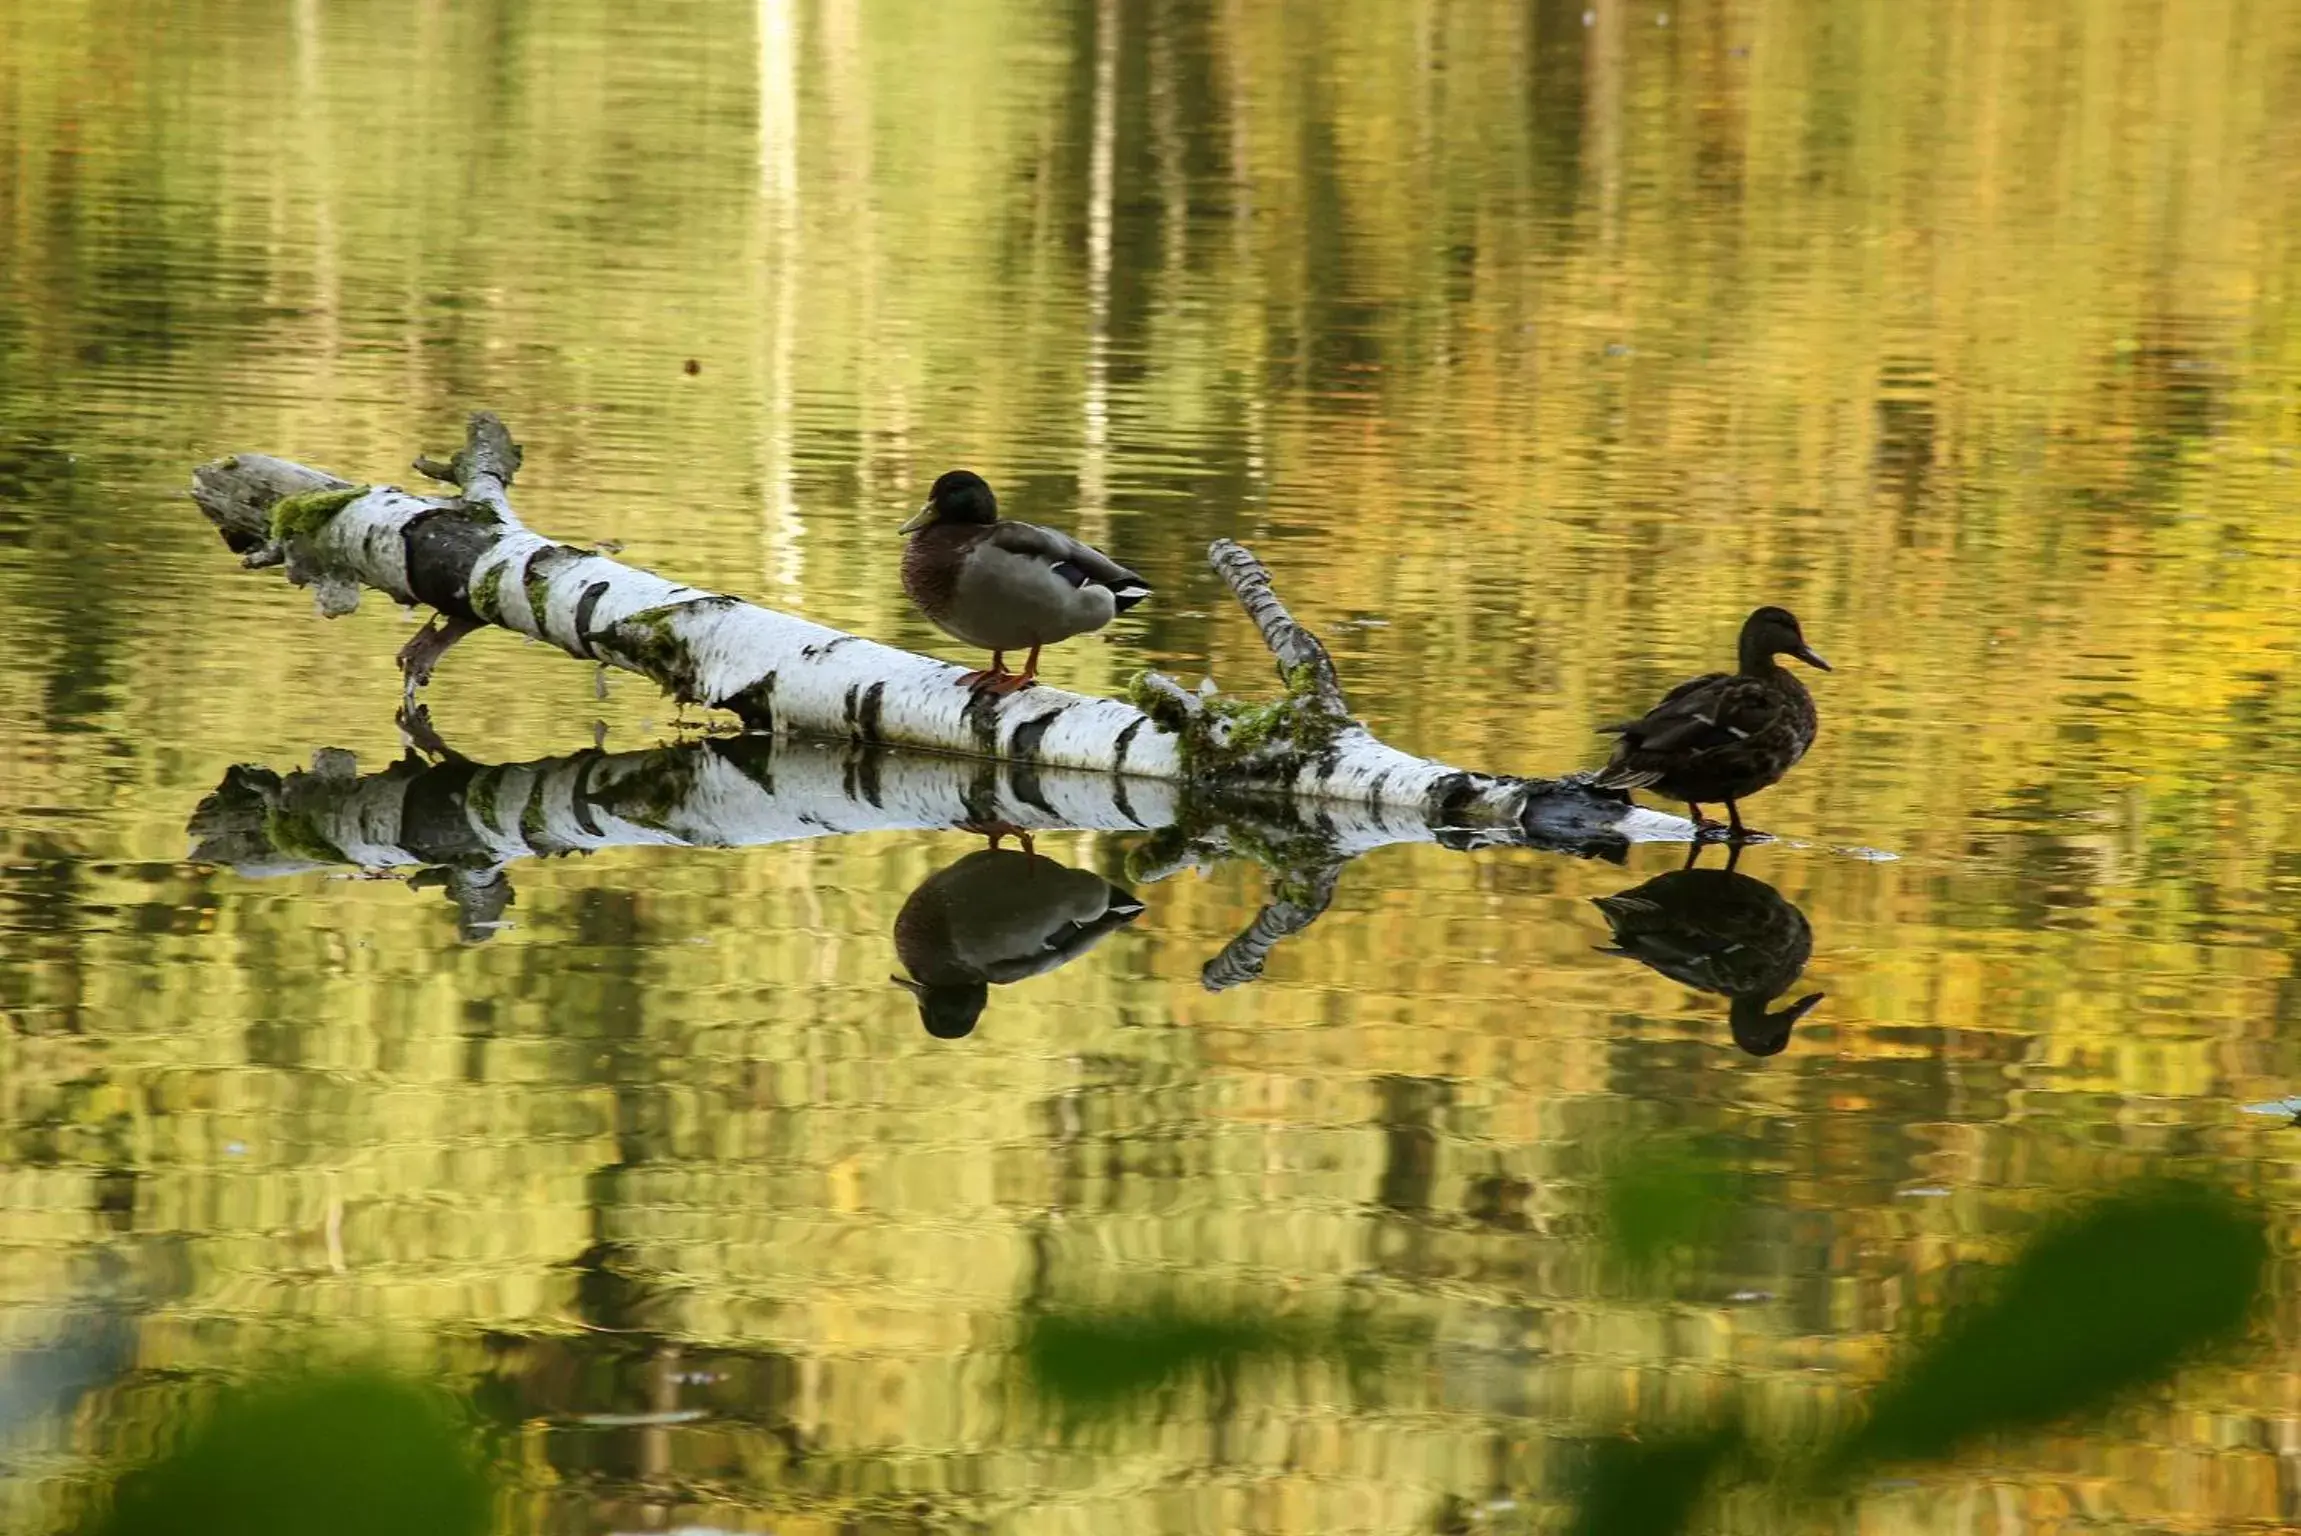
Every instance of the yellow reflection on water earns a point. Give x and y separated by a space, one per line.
1530 344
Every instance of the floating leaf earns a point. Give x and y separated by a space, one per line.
357 1454
2114 1297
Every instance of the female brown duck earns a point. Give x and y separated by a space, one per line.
1006 586
1727 735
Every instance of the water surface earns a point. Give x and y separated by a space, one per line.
1532 345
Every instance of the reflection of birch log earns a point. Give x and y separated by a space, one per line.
467 556
460 825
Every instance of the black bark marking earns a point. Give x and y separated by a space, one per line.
981 796
983 716
754 705
1449 796
1119 796
579 799
434 822
585 606
1125 741
867 717
810 652
851 710
1023 751
753 756
867 775
1023 746
1374 790
442 547
537 573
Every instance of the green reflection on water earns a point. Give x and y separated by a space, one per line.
356 1453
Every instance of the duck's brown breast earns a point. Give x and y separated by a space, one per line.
932 559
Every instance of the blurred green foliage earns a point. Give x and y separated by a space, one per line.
355 1453
1093 1363
2116 1295
2113 1297
1649 1487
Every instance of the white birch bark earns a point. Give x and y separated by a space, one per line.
469 557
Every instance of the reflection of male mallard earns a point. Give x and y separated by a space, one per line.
1721 932
997 916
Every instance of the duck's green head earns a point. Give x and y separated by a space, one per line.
1772 632
949 1011
961 496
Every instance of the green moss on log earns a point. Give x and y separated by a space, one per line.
650 642
487 597
533 823
480 795
295 833
538 591
301 517
1217 737
661 788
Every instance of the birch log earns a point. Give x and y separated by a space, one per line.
469 557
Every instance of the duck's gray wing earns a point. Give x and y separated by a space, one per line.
1078 562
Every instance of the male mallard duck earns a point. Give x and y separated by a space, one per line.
1727 735
1719 932
998 916
1005 585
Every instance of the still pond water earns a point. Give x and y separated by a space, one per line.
1531 344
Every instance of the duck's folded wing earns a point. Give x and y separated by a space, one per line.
1078 563
1686 711
1687 727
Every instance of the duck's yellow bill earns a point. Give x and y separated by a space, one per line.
919 519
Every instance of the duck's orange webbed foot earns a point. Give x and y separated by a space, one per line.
986 677
1015 682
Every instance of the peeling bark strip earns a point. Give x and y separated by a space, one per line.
470 558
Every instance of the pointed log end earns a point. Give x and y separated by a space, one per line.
237 494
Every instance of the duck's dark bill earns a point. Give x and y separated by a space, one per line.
922 518
1805 653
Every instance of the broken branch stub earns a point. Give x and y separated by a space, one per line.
468 556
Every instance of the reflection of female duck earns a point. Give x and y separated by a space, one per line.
1718 931
998 916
